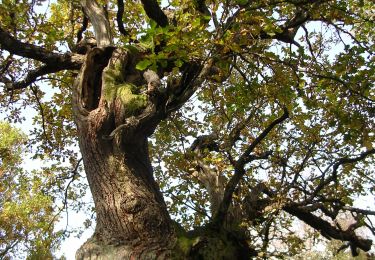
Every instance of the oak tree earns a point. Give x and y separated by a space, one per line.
234 118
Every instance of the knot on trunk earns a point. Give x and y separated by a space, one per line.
132 205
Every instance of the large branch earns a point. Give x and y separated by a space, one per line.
30 78
85 23
33 75
304 213
154 11
120 12
289 28
31 51
327 230
239 169
287 31
163 102
53 62
99 21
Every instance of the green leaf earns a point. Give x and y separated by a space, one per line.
143 64
179 63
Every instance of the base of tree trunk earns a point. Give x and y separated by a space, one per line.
91 250
205 244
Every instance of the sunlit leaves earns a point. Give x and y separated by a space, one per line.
11 143
264 59
326 84
26 212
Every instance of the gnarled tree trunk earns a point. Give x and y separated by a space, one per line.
115 114
114 118
130 209
132 219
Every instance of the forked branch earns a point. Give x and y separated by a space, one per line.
239 169
53 62
329 231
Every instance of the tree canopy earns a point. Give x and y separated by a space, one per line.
264 109
26 212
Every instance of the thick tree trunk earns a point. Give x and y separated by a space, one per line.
129 207
131 215
113 120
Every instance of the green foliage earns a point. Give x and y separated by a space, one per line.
324 76
11 142
26 212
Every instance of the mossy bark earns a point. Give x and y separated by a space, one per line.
131 217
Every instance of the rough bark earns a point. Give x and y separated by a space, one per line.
130 209
114 117
99 20
132 220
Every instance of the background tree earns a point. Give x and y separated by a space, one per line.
254 113
26 212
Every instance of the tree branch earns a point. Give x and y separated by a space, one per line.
54 62
244 158
120 12
239 170
6 64
361 211
99 21
209 177
323 226
193 75
201 6
154 12
31 51
335 167
164 102
33 75
289 28
343 161
6 250
327 230
235 133
83 28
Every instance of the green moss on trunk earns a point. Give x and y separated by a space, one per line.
207 243
116 89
